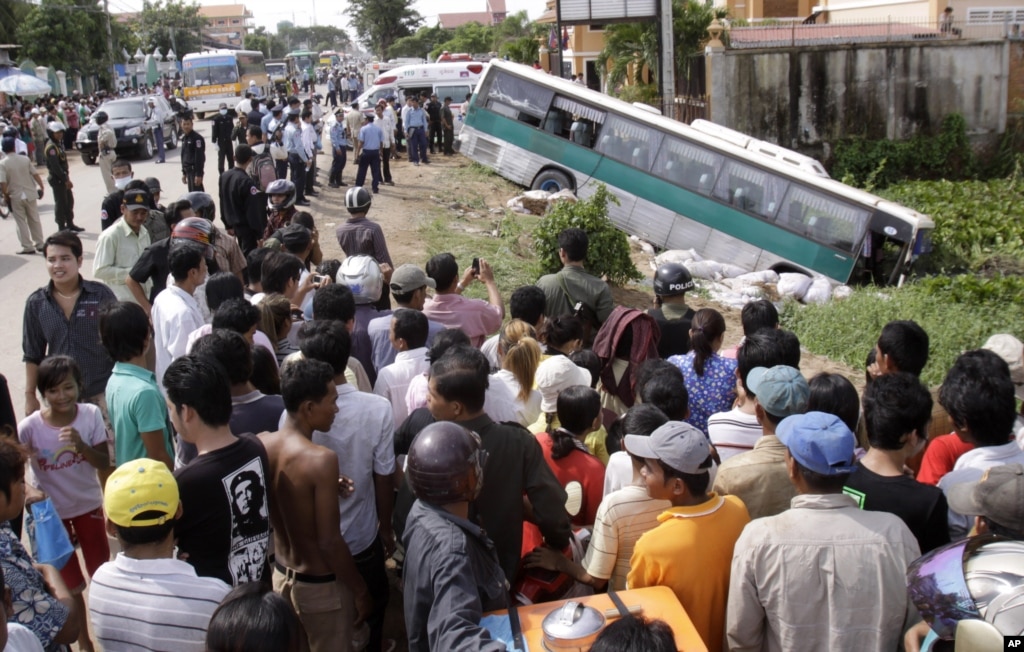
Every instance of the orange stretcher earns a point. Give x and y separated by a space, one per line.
657 602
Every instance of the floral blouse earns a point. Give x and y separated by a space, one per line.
34 607
713 392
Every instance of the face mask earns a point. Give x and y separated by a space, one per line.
122 183
223 111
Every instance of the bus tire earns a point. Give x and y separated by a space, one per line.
552 181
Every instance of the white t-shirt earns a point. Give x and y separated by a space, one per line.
527 411
733 432
65 475
21 639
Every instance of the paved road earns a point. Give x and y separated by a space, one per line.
20 275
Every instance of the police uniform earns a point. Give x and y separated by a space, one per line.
57 176
675 333
223 125
110 209
106 141
193 159
243 208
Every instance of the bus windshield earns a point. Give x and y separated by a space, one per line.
210 71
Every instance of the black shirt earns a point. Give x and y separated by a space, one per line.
675 333
223 125
193 154
241 202
225 525
153 265
110 209
922 507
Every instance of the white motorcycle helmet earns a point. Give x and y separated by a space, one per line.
362 275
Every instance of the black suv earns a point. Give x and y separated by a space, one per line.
133 122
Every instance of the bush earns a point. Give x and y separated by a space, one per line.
880 163
958 313
608 254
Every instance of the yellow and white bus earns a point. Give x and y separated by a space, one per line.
215 76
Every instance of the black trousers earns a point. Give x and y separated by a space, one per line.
63 205
385 163
369 158
298 168
434 137
224 152
370 564
248 237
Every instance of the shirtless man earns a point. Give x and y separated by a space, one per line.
314 569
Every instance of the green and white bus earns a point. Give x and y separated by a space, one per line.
732 198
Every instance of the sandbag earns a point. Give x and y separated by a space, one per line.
794 285
819 292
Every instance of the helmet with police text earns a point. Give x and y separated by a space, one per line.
672 279
362 275
971 589
446 464
202 204
357 200
280 187
100 117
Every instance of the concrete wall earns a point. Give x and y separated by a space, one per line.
806 97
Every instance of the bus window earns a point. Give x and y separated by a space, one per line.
629 142
823 218
211 71
750 189
687 165
519 99
573 121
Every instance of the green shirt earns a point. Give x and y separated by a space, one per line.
117 250
572 284
135 405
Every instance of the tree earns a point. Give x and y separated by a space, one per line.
174 25
518 38
419 44
524 50
379 23
631 47
56 33
12 14
470 37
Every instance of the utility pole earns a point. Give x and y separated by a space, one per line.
667 56
110 44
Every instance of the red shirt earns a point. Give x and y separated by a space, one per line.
576 466
940 456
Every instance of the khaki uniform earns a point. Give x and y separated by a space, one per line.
106 141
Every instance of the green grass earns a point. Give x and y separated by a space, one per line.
957 317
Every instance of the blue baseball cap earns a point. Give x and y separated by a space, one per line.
782 391
820 442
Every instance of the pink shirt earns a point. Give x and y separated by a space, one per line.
475 317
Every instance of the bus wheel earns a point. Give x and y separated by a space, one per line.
551 181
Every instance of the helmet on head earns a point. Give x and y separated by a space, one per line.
196 229
54 127
357 200
986 574
446 464
202 204
281 187
100 117
11 132
672 279
362 275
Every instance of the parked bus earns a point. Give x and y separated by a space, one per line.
278 73
753 204
209 78
329 58
300 60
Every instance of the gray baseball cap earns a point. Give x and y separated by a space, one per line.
410 277
676 443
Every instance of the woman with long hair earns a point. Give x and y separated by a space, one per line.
519 355
710 378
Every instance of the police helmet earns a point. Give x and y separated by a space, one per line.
672 279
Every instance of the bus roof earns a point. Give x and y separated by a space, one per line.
723 144
300 53
219 53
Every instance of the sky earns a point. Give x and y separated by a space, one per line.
332 12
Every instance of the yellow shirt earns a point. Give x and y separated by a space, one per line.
691 553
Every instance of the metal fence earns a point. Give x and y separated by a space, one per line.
785 32
686 108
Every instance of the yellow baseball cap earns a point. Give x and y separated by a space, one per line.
137 487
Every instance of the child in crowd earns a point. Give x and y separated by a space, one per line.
67 441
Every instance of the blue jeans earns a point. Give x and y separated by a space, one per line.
418 144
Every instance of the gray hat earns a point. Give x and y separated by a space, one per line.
676 443
408 277
998 496
294 237
153 184
782 391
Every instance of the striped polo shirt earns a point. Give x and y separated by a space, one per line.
152 604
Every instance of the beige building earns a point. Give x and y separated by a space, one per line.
585 43
226 24
494 14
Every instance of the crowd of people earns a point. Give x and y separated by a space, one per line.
261 428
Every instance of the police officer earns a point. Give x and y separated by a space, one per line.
106 141
671 282
193 155
242 205
223 126
59 179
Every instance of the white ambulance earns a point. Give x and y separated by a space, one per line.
455 79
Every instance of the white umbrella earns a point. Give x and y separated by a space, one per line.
23 85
